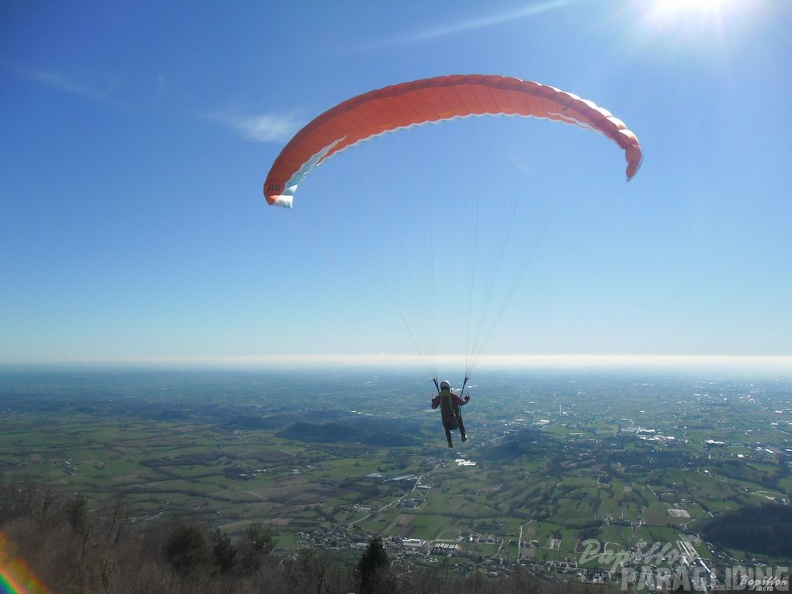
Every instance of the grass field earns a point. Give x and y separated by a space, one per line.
555 485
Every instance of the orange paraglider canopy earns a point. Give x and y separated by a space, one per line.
432 100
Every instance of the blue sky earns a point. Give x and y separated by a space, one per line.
136 137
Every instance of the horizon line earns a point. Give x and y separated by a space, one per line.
510 361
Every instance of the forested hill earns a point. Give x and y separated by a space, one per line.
763 530
53 540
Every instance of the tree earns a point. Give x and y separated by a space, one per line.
254 545
76 512
186 548
116 516
223 551
318 572
373 561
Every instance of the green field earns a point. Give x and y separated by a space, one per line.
551 488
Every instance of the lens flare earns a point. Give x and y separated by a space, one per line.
15 576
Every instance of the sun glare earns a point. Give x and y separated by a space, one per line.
701 25
682 11
688 5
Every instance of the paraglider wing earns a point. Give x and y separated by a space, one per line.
433 100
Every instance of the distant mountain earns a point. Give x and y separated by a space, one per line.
273 422
258 422
764 530
322 432
365 431
526 442
391 440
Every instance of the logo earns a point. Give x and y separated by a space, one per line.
676 566
760 579
657 554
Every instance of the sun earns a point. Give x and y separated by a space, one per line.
689 5
693 23
676 11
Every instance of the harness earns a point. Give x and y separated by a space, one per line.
448 411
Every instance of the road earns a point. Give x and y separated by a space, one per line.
397 500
